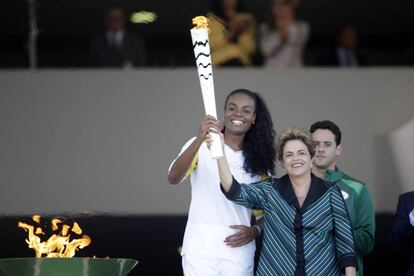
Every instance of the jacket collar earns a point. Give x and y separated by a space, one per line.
334 175
317 189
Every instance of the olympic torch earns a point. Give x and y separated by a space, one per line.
201 46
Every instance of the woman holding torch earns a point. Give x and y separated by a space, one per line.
218 239
307 230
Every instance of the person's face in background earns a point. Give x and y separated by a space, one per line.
326 149
281 9
348 38
297 160
239 114
229 4
115 20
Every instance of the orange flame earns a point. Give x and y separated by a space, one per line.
39 231
200 22
58 245
36 218
55 223
76 229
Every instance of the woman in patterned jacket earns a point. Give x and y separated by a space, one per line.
307 229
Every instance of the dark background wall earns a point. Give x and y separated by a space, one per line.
386 29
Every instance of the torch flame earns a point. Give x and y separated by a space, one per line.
58 245
200 22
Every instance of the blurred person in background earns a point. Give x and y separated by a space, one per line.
283 37
232 35
346 53
116 47
401 237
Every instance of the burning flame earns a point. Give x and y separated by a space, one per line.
200 22
36 218
58 245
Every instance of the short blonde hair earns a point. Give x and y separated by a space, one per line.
295 133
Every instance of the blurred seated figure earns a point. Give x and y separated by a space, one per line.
232 35
401 237
116 47
346 53
283 38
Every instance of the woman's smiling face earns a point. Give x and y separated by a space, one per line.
296 158
239 113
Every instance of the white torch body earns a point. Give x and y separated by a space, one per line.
205 73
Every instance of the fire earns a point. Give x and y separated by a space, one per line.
58 245
36 218
55 223
200 22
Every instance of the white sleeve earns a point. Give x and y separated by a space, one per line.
186 145
412 218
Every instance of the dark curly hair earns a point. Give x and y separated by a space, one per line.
258 147
329 125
